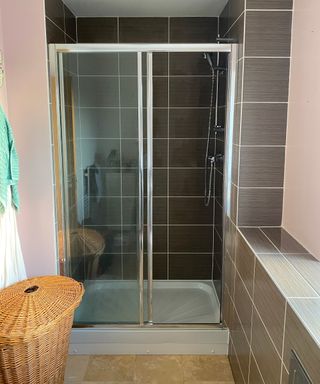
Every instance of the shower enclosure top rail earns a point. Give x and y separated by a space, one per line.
143 48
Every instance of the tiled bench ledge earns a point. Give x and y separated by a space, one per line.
271 304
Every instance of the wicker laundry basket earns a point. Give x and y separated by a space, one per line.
35 322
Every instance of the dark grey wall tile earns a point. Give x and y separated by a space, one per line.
243 304
268 33
190 92
101 92
193 29
308 350
186 182
159 239
288 279
55 12
159 266
190 266
227 308
160 153
190 239
264 124
261 166
159 210
184 210
255 375
308 266
99 123
270 4
97 29
266 80
195 150
235 367
54 34
237 32
264 352
283 241
229 274
258 241
189 123
189 63
260 207
270 305
224 20
143 30
244 260
240 344
101 63
70 23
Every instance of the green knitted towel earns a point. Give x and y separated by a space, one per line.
9 164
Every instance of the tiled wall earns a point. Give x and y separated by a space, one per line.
271 302
60 23
263 30
183 227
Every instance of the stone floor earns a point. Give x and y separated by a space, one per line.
148 369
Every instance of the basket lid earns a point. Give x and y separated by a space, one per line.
28 307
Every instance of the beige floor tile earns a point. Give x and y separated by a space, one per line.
110 369
206 369
76 368
158 370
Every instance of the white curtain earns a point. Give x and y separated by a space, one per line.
12 268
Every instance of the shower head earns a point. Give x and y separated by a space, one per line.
207 56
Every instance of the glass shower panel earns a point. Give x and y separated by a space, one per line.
100 156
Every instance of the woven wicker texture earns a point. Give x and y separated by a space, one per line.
36 317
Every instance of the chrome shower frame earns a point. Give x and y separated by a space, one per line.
55 54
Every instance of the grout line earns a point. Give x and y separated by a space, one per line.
283 339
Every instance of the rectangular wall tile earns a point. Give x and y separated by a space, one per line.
244 259
189 123
295 333
191 239
255 375
258 241
264 124
266 80
187 153
265 352
55 12
193 29
270 4
261 166
184 210
283 240
241 345
270 305
54 34
260 207
70 23
268 33
236 370
243 305
97 29
190 266
143 30
190 92
287 278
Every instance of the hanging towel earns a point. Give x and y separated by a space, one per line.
9 166
12 268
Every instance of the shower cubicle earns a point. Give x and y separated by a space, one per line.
142 139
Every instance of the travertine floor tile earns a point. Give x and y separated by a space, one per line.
76 368
118 369
148 369
208 369
158 370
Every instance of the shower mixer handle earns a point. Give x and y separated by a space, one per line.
216 158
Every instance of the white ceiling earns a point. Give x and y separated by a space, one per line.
147 8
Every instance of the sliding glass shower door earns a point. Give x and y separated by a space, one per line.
102 152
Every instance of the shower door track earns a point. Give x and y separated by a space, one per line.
55 54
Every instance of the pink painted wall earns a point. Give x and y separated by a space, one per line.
24 42
301 213
3 89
